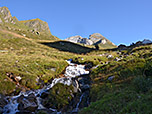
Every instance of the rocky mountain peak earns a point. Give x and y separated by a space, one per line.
5 16
79 39
75 39
4 11
97 37
146 41
94 39
37 25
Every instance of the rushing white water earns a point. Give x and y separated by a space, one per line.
72 70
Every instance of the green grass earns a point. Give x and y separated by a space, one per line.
130 91
124 101
30 60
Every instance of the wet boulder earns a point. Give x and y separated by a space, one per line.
111 78
28 103
85 87
3 102
59 96
19 100
24 112
1 110
45 94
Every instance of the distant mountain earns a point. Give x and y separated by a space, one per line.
94 39
79 39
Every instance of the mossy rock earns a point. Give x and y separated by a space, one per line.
60 96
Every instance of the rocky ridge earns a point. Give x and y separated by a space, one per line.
93 39
33 24
37 25
6 17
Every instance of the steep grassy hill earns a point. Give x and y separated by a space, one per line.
35 28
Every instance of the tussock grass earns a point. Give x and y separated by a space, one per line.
130 89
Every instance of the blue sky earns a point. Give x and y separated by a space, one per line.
121 21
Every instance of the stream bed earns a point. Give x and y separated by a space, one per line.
51 99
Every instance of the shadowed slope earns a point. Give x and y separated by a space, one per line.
69 47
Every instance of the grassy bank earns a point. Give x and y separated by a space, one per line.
123 86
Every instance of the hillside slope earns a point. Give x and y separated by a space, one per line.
123 84
35 28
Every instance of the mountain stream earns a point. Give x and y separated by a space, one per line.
73 76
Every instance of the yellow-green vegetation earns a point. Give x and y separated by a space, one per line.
124 86
29 60
32 60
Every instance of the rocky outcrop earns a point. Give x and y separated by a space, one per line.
37 25
139 43
6 16
0 20
3 102
79 39
93 39
27 103
74 39
97 37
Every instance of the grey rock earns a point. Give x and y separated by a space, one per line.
97 37
6 15
24 112
19 100
3 102
93 39
117 59
28 103
146 41
110 56
1 110
24 35
85 87
1 20
53 69
79 39
74 39
37 25
111 78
